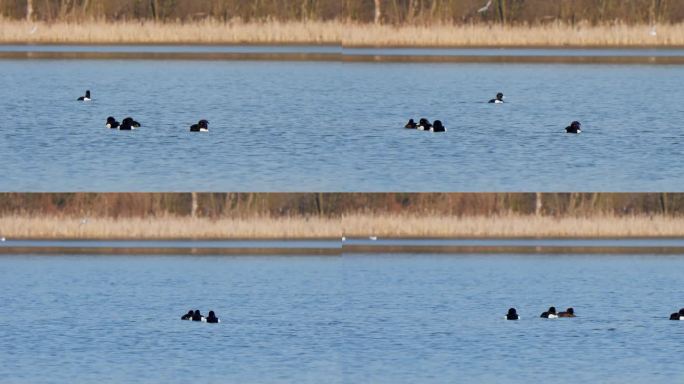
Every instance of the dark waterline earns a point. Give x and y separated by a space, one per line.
339 247
521 246
332 53
172 247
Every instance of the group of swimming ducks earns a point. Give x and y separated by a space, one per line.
550 314
437 126
424 125
197 316
511 315
570 312
128 124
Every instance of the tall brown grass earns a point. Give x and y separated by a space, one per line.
53 227
150 32
512 226
549 35
354 225
347 34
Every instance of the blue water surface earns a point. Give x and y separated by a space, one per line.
350 319
332 126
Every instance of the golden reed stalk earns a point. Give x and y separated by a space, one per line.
355 225
339 32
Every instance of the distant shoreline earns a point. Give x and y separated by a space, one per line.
347 34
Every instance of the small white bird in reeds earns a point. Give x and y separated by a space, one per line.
486 7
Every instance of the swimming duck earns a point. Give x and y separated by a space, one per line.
570 312
550 314
498 100
188 316
112 123
212 319
438 127
574 127
512 314
85 98
197 316
201 126
128 124
678 315
411 124
424 125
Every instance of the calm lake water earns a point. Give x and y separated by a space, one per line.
350 319
331 126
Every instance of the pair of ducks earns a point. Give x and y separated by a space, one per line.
678 315
197 316
550 314
128 124
424 125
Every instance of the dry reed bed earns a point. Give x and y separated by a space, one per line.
550 35
513 226
206 32
14 227
338 32
166 228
